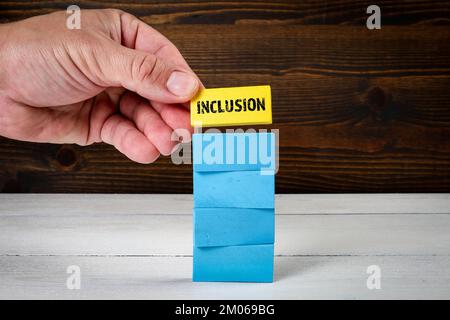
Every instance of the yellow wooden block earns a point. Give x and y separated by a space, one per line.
232 106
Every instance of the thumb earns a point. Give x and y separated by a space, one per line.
147 75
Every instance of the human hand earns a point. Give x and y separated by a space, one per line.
115 80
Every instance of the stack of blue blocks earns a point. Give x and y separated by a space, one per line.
234 220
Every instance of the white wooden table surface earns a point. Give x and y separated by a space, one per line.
140 247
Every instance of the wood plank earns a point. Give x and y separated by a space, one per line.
257 11
79 232
170 278
127 252
181 204
358 111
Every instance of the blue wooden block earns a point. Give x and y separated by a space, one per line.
234 151
253 263
233 226
234 189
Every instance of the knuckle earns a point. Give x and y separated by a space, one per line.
111 12
115 11
160 72
146 68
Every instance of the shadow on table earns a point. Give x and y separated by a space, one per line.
288 267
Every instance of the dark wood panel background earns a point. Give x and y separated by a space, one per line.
358 110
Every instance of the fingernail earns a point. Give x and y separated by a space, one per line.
182 84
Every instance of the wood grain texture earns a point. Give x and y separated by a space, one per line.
328 277
140 247
351 12
286 204
64 226
358 110
140 235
